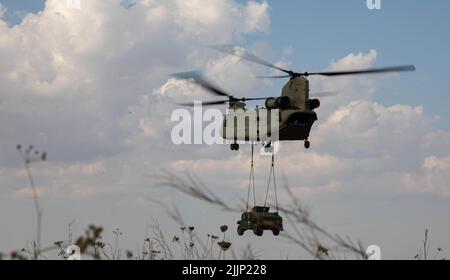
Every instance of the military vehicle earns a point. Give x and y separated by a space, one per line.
296 106
260 219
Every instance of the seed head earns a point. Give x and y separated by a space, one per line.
224 245
223 228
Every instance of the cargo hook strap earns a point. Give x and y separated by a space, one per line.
251 181
272 174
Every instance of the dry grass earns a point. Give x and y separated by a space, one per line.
303 231
424 253
187 244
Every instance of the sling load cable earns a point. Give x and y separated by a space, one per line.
251 181
272 174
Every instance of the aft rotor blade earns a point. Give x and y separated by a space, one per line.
229 49
209 103
273 77
403 68
199 80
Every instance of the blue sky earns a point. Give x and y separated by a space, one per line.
402 32
16 7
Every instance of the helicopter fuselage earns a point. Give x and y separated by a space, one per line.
289 116
294 109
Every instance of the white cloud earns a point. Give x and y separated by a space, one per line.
358 144
95 84
361 124
257 18
433 163
207 18
70 75
3 11
437 175
434 177
354 61
348 88
436 141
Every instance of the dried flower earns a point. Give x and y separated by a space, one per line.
100 244
129 254
322 250
223 228
117 232
224 245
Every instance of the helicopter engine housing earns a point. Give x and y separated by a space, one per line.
271 103
314 104
283 102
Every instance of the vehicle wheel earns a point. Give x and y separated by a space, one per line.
232 147
307 144
236 147
258 231
276 232
240 231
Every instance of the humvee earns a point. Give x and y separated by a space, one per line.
260 219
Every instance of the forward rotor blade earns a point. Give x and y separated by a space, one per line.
403 68
220 102
228 49
199 80
253 99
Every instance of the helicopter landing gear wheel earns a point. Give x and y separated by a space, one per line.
307 144
234 147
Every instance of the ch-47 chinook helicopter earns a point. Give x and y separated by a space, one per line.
295 107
